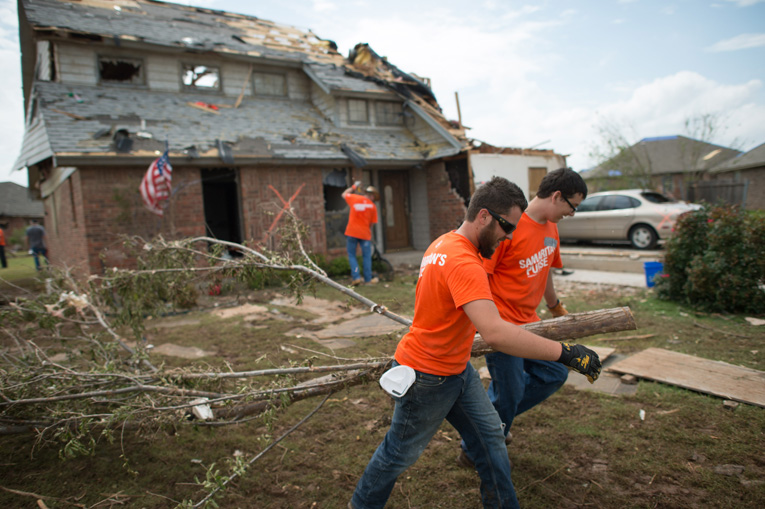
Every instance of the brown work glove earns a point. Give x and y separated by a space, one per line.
580 359
557 310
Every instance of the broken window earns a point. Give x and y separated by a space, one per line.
120 70
270 84
388 113
335 208
201 77
357 111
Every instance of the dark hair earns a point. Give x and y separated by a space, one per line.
499 195
565 180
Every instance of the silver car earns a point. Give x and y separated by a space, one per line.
640 216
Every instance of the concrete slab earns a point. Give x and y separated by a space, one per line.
601 277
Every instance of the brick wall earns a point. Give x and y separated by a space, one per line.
447 209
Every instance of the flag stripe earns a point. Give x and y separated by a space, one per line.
156 183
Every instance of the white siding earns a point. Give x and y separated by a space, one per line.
514 167
76 64
298 85
44 70
425 133
234 76
163 73
324 102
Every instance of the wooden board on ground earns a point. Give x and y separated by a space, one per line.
710 377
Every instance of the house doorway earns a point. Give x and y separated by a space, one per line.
394 209
220 196
535 178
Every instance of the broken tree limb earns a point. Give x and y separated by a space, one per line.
573 326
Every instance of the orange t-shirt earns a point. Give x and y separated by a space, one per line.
441 336
2 237
519 268
363 216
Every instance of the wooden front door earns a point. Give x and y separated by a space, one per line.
394 209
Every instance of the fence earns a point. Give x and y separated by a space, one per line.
714 191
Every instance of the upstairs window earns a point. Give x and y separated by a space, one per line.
388 113
270 84
357 111
201 77
120 70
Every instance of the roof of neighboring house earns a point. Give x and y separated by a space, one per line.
62 127
671 154
15 202
259 129
755 158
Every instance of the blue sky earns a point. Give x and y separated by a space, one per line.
541 74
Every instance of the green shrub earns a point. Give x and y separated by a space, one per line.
715 261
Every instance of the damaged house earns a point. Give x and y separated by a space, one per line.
254 115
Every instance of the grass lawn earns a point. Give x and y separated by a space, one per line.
577 449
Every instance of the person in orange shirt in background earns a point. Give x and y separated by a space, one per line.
3 262
453 300
520 277
359 230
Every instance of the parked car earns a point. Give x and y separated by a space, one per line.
640 216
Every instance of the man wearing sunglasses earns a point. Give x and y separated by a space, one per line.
452 301
520 277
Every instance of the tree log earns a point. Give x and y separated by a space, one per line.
572 326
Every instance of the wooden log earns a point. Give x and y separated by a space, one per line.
572 326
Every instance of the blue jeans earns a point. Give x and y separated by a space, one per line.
520 384
366 255
461 400
36 252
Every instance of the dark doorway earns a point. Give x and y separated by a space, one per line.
220 194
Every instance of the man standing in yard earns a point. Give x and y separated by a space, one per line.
36 242
453 300
359 231
520 277
3 262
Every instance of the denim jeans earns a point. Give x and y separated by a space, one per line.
461 400
520 384
366 255
36 252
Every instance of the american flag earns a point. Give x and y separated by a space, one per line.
155 185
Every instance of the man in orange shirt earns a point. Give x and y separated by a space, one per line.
3 262
453 300
359 230
520 277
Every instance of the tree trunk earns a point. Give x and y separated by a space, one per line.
573 326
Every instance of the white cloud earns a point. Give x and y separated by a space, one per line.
745 3
743 41
662 106
324 6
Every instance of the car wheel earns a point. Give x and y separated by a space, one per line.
643 236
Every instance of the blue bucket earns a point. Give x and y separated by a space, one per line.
651 269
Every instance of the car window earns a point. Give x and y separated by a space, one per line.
589 204
618 202
655 197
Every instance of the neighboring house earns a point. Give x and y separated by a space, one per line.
740 180
17 207
669 164
255 115
524 166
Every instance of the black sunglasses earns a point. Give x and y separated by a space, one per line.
506 225
573 209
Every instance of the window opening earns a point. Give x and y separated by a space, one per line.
335 208
120 70
357 111
270 84
201 77
389 113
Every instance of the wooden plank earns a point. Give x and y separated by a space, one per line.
710 377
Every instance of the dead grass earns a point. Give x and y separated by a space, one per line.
578 449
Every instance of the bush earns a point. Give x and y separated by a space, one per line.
715 261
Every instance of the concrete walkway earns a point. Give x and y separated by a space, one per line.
635 277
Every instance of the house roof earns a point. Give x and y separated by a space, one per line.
670 154
79 121
64 128
753 159
179 26
15 202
